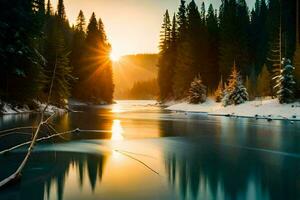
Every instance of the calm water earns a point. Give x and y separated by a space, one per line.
147 153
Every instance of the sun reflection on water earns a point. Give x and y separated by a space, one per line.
116 108
117 131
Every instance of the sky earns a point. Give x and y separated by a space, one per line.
132 26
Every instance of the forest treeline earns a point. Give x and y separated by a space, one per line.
35 41
142 90
134 77
209 42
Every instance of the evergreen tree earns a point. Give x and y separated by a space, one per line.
264 83
78 45
236 93
234 36
275 35
197 91
219 93
57 57
96 84
285 82
182 20
213 39
49 8
165 64
192 54
21 72
80 26
297 52
183 74
165 34
203 14
198 42
107 72
259 35
61 13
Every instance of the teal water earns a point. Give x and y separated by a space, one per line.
146 153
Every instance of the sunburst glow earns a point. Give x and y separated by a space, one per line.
115 57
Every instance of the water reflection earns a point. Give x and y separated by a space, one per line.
116 108
117 131
56 176
240 159
197 157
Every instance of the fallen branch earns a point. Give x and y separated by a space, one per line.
17 174
77 130
51 128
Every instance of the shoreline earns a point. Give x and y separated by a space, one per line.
9 109
268 109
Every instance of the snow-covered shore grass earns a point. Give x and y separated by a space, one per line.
9 109
265 109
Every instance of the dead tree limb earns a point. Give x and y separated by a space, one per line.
77 130
17 174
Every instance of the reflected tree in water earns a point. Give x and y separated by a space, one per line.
53 177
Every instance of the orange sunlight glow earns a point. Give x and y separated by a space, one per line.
114 56
117 131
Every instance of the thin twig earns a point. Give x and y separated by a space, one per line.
137 154
50 127
16 129
21 133
49 137
129 156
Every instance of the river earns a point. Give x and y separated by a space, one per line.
141 151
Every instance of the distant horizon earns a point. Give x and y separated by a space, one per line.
135 20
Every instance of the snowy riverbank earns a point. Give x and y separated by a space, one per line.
266 109
8 109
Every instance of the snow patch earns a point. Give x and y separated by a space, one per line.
206 107
8 109
265 109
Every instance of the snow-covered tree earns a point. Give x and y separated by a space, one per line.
285 83
235 92
219 93
197 92
225 97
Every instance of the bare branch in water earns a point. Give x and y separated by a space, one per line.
143 163
17 174
17 129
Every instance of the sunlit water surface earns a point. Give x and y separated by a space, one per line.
144 152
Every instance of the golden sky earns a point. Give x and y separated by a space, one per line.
132 26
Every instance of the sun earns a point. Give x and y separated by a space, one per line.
115 57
